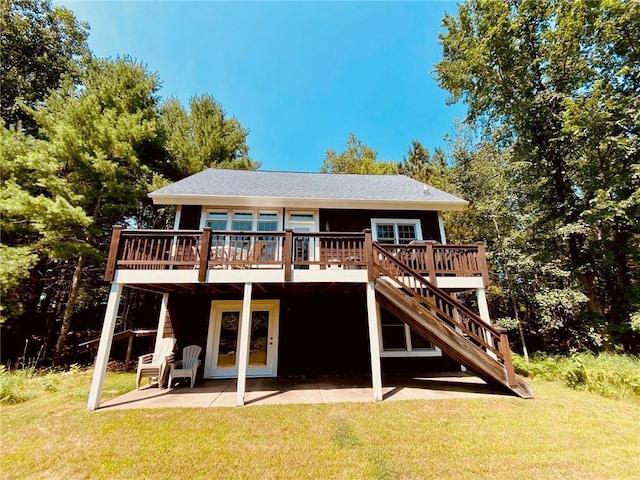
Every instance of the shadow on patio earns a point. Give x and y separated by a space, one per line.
323 389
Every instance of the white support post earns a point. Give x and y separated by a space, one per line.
162 318
483 309
374 342
456 317
243 347
104 348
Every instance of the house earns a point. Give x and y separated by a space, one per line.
284 273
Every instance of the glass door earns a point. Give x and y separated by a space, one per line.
224 329
304 247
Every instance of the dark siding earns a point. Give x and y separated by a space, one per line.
359 220
190 217
419 365
323 334
320 333
190 319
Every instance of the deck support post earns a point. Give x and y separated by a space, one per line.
243 347
162 318
104 348
483 307
483 310
374 341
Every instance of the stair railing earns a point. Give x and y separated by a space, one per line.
448 310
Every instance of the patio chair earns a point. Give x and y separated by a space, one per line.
188 366
154 365
256 251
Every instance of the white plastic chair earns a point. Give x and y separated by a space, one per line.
154 365
188 366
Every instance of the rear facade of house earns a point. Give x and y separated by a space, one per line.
283 273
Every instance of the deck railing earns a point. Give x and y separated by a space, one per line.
206 250
431 258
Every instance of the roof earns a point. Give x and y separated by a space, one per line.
304 190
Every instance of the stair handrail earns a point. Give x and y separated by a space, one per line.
497 335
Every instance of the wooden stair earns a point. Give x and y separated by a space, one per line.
446 323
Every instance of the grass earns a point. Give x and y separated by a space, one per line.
609 375
562 433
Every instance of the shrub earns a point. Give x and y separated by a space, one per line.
608 375
12 386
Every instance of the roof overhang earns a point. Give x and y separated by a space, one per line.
279 202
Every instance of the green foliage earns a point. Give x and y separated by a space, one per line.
609 375
204 137
422 166
41 43
357 158
17 386
554 84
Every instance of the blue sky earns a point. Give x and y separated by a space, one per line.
300 76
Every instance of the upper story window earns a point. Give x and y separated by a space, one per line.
248 221
217 220
396 231
242 221
267 222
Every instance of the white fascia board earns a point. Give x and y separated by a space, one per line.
346 204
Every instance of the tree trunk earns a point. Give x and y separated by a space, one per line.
68 311
621 283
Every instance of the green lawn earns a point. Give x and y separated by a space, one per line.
561 434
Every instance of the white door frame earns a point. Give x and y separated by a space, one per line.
213 338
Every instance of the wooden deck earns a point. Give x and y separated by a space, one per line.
287 251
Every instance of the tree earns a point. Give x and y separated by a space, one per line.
41 43
541 77
422 166
357 158
89 171
203 137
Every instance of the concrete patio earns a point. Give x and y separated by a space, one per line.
283 390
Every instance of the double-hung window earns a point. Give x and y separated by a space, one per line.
395 231
400 340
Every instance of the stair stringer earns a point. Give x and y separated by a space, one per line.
451 342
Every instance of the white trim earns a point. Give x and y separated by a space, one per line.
374 341
213 338
303 203
176 220
104 347
443 236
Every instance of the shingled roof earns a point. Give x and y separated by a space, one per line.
296 189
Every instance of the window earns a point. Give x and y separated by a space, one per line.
400 340
396 231
268 222
304 247
244 221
